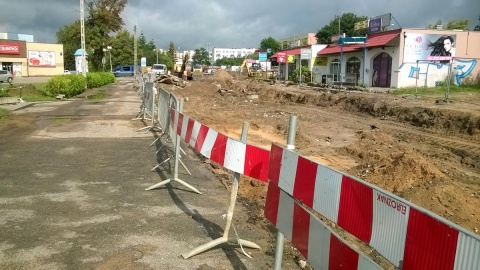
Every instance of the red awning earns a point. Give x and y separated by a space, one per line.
335 49
374 40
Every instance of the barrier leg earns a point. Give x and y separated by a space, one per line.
159 164
231 208
185 167
176 161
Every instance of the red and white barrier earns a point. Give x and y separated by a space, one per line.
230 153
323 248
402 232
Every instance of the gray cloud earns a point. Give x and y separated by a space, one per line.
192 24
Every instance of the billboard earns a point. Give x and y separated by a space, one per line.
431 47
375 25
41 58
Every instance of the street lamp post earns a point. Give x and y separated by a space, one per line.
109 49
208 51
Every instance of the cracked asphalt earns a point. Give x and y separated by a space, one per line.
73 176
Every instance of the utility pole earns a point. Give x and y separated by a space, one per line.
82 37
135 50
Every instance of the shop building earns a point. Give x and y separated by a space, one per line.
395 59
31 59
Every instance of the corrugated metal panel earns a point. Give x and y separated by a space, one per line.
305 181
285 214
355 212
389 229
468 253
288 171
430 244
327 192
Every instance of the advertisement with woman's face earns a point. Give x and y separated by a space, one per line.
430 47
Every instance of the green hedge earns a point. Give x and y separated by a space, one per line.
71 85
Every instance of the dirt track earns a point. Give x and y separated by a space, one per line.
423 151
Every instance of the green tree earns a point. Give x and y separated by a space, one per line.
146 49
69 36
347 23
270 43
103 19
122 49
171 51
451 25
227 61
163 58
201 57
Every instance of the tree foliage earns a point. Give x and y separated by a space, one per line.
451 25
227 61
171 51
270 43
347 23
201 57
103 19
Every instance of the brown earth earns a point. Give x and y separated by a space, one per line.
422 149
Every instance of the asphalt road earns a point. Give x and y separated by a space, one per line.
73 176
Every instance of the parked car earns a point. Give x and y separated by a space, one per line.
6 76
124 71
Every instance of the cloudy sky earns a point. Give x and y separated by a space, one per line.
192 24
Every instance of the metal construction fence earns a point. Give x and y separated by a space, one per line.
406 235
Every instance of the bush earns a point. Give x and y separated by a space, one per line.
71 85
306 75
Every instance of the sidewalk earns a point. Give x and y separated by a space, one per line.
73 195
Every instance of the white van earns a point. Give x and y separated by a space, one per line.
159 69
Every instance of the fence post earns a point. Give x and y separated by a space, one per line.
176 160
292 127
231 208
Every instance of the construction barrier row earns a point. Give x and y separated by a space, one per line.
406 235
230 153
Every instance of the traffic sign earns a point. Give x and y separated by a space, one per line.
262 56
306 54
352 40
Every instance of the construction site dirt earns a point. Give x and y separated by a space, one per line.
422 149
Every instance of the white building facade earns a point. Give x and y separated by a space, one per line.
219 53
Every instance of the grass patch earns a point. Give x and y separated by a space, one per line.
28 92
435 91
100 95
59 121
4 114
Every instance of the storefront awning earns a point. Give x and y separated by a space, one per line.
374 40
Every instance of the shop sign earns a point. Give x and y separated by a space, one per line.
321 61
9 49
306 54
281 57
375 25
290 58
41 58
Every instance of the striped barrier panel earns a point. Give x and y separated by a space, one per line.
322 247
230 153
406 235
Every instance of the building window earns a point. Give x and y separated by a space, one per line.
335 66
353 70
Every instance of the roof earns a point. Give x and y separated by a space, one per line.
79 52
337 49
374 40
